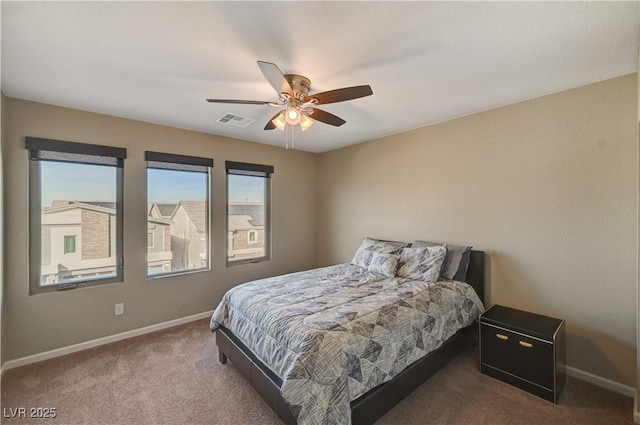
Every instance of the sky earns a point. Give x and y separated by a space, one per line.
80 182
76 182
175 186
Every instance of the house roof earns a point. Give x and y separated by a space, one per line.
241 215
101 204
254 210
160 221
426 61
166 209
73 205
197 211
241 222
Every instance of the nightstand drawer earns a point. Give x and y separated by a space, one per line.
527 358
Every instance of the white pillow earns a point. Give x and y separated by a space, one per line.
456 261
422 263
368 247
384 264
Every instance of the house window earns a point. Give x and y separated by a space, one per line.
248 212
74 188
177 213
69 244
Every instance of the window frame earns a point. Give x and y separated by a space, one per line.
254 170
176 162
35 147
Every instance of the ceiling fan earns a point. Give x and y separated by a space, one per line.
298 106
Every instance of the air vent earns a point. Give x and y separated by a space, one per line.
235 120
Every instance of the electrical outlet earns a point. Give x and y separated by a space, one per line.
119 309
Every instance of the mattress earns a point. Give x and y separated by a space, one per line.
331 334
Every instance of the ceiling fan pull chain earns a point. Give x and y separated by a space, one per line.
286 138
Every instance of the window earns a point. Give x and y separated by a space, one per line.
75 214
177 213
69 244
248 212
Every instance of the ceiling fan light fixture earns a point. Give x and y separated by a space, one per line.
293 116
280 121
305 122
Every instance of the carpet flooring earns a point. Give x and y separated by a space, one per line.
174 377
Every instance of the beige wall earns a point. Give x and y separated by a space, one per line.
547 187
47 321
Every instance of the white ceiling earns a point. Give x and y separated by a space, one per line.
425 61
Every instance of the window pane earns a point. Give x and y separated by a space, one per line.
247 220
69 244
77 222
177 221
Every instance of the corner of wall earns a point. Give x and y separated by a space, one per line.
636 412
2 321
316 159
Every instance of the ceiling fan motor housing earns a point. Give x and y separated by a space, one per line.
299 84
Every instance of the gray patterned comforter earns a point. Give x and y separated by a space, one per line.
334 333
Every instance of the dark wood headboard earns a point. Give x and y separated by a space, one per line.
475 273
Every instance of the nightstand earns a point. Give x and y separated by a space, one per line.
524 349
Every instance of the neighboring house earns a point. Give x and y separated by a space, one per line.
78 241
246 238
189 241
159 253
78 238
188 228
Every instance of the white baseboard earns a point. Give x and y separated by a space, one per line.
602 382
23 361
636 413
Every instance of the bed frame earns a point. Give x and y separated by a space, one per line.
372 405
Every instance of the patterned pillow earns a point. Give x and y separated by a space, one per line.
384 264
368 247
456 262
422 263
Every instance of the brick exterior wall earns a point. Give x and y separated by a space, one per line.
241 241
95 235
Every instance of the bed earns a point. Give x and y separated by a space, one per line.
344 344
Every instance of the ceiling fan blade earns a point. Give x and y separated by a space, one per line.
275 77
270 125
243 102
326 117
340 95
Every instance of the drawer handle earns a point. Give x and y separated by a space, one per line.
526 344
502 337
